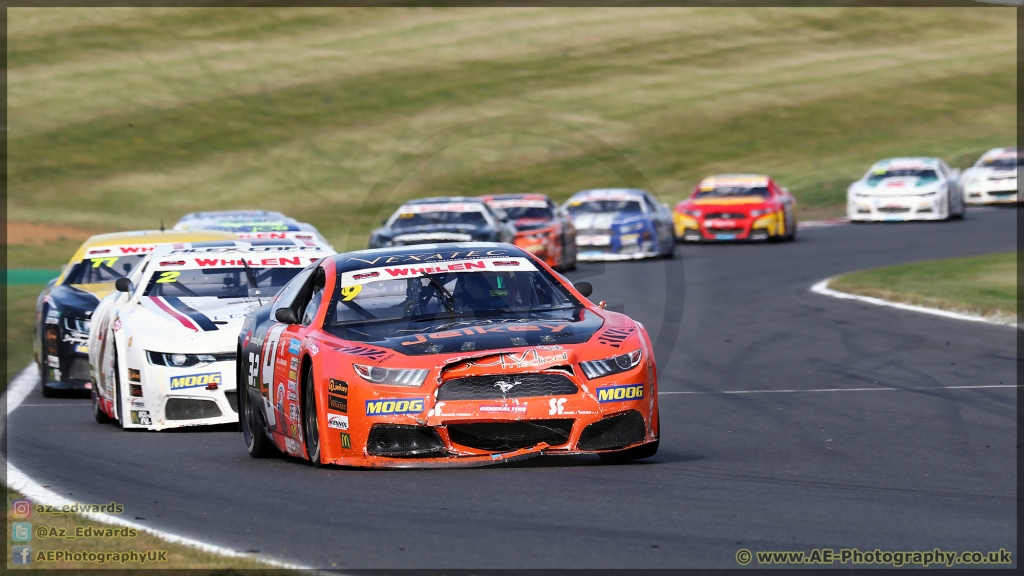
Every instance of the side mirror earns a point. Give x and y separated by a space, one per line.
286 315
123 285
384 222
584 288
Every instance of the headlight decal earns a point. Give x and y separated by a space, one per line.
391 376
615 365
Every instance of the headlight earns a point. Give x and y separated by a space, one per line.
391 376
537 235
76 324
635 227
598 368
756 213
694 213
175 360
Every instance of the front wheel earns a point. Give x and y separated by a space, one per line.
310 420
97 411
256 441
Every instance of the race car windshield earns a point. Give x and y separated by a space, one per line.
624 206
218 282
923 174
1003 163
411 220
727 191
528 213
100 270
398 307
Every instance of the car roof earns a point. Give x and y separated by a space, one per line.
443 200
233 214
909 160
424 253
244 246
515 196
598 192
143 237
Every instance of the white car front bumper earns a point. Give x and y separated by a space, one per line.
1003 190
180 397
896 208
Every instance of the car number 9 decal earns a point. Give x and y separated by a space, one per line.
169 276
350 292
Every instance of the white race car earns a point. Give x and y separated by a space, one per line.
993 178
900 189
162 348
251 225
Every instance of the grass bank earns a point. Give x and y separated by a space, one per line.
984 285
75 533
122 117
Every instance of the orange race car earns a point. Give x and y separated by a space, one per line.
736 207
542 228
443 355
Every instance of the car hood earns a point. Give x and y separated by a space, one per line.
201 314
985 172
528 224
74 300
444 232
898 186
473 336
605 220
739 200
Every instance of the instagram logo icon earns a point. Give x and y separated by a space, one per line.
21 508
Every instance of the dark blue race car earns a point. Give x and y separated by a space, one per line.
443 219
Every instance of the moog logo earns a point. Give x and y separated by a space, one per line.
394 406
620 393
195 380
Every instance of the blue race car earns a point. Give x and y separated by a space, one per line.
620 224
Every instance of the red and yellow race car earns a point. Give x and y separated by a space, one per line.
443 355
542 228
736 207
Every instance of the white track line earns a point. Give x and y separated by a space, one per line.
660 393
822 288
17 390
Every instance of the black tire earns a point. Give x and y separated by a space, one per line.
256 441
118 405
630 454
310 421
98 412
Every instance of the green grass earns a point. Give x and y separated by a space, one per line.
19 310
178 556
985 285
119 118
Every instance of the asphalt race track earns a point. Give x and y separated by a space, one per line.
922 467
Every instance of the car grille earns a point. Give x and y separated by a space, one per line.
613 432
523 386
593 232
726 215
505 436
79 369
232 396
403 441
190 409
893 210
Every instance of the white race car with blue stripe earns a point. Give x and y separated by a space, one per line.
900 189
162 347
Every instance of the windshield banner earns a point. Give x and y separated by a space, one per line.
368 275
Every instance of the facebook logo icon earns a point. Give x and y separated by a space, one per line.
21 554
